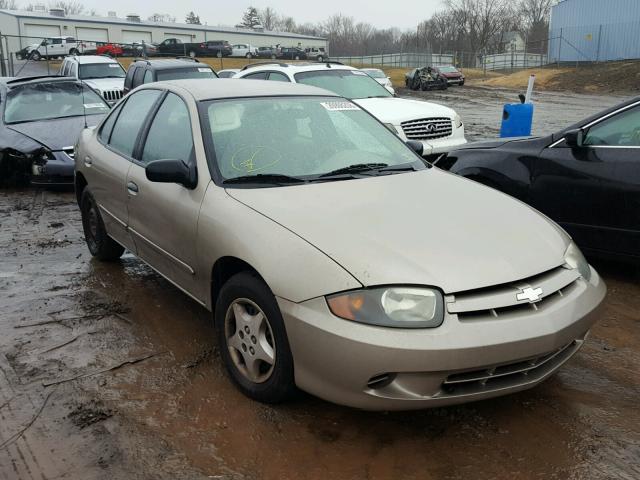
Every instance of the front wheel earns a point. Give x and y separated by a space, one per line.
74 51
101 245
273 57
248 55
35 56
297 57
192 54
320 58
252 339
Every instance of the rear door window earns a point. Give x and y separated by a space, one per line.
128 125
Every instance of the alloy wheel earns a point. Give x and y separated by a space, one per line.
250 340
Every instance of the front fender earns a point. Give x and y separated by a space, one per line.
293 268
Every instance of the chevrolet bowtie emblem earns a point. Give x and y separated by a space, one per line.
529 294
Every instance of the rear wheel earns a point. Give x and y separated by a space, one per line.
297 57
252 339
273 57
35 55
248 55
192 54
320 58
74 51
101 245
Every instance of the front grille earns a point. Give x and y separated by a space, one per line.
427 128
501 301
112 95
508 375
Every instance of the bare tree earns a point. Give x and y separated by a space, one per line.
162 18
269 18
8 5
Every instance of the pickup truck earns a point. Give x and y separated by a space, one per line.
54 47
210 48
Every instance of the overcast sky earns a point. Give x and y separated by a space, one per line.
404 14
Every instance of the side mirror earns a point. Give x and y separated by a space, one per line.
172 171
574 138
416 146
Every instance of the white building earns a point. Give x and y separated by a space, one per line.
22 28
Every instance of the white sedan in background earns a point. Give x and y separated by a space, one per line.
380 77
244 50
228 72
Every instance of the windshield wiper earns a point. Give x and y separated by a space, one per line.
268 178
356 168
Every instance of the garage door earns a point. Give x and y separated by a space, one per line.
37 32
130 36
92 34
183 37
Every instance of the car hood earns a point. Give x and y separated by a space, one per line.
397 110
55 134
423 228
103 84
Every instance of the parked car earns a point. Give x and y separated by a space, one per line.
148 71
210 48
439 128
228 73
53 47
292 53
267 52
400 310
317 53
244 50
585 177
42 118
380 77
105 75
426 78
451 73
111 49
135 49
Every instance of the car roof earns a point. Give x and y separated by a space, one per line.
86 59
295 67
221 88
167 63
12 82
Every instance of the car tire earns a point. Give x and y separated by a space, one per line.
192 54
18 56
74 51
320 58
248 55
101 245
263 334
35 55
297 57
273 57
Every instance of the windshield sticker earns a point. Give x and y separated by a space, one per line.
204 70
114 65
358 72
339 106
94 105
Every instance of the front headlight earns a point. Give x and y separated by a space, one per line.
399 307
457 120
575 259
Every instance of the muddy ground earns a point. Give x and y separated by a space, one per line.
109 372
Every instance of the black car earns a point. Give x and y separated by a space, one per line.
210 48
292 54
41 122
586 177
147 71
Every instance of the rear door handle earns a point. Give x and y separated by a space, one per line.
88 161
132 188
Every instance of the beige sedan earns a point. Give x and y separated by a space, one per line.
334 258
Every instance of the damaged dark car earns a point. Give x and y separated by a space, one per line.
42 118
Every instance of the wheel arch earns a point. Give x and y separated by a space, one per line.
223 269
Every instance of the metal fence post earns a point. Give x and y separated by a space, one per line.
559 48
46 54
3 67
598 48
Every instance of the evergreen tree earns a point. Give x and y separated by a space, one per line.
193 19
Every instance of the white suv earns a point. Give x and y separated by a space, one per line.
103 74
439 128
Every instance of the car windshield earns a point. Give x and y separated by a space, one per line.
46 101
100 70
303 139
184 73
352 84
375 73
448 69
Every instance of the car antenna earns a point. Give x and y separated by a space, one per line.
84 106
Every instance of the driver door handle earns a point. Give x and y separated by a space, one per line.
132 188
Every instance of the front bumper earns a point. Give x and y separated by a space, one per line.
376 368
55 171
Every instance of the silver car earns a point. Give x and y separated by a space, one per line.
334 259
